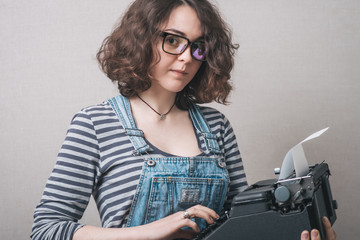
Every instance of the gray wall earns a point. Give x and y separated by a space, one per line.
297 71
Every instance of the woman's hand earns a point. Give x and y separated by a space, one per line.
166 228
170 226
315 235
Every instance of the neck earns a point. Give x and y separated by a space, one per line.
161 102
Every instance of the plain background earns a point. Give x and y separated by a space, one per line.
297 71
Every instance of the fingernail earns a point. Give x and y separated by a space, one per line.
324 219
314 234
305 234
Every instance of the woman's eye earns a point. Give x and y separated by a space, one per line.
172 41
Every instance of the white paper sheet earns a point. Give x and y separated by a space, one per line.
295 159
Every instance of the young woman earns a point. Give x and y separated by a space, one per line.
151 157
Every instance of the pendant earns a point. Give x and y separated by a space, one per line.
162 116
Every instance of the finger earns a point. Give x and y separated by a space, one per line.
191 224
330 233
186 234
203 212
206 209
315 235
305 235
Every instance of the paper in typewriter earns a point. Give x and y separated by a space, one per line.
295 159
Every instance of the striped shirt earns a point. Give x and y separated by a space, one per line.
96 159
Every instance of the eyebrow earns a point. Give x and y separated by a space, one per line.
182 33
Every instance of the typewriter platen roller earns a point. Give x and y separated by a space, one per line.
277 209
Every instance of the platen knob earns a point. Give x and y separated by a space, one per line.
282 194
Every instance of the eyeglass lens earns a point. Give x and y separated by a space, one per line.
174 44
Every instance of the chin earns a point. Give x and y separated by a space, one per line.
175 90
175 87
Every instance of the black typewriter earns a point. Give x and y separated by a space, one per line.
277 209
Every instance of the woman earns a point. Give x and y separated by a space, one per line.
151 157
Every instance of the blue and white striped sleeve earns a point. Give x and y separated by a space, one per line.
233 161
70 185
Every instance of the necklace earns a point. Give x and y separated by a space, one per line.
162 115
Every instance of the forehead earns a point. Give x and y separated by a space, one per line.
185 20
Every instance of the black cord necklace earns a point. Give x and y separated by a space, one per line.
162 115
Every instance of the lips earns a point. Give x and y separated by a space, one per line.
179 72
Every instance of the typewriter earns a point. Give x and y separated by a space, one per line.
277 209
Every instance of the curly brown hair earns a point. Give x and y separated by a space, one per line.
126 56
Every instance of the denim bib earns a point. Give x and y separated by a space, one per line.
171 184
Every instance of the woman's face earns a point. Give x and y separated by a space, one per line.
173 72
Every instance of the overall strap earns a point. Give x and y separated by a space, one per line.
201 124
121 106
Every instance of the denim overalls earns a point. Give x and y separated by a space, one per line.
169 184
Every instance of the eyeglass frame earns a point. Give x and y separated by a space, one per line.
189 43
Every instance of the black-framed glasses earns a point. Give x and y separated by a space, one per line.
176 45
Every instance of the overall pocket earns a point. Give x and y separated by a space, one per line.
172 194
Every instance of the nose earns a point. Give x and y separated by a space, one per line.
186 55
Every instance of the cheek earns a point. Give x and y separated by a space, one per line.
161 65
159 62
156 57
